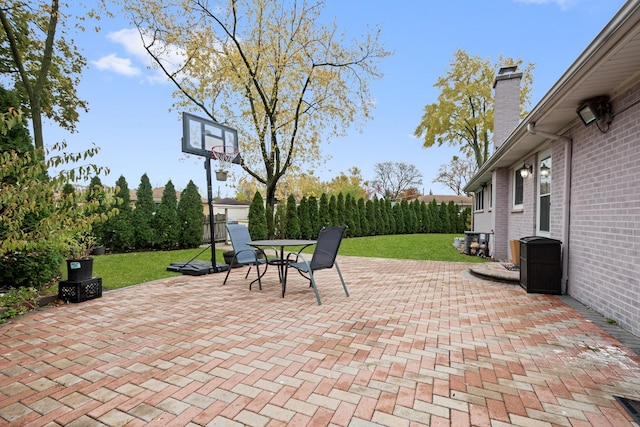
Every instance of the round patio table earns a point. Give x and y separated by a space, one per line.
282 244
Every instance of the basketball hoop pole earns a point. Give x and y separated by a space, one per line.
214 264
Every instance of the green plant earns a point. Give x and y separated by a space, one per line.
17 301
31 268
257 219
190 217
79 245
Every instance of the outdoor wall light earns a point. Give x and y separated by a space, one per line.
526 170
544 171
595 109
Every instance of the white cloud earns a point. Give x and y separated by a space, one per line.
564 4
117 65
130 40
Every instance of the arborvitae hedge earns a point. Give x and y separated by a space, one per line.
118 234
303 216
293 222
190 217
165 221
314 217
280 221
143 215
364 222
340 218
257 218
323 211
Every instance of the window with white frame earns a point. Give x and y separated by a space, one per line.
480 199
518 189
544 194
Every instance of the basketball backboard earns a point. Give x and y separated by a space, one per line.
200 135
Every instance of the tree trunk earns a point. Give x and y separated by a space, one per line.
270 203
36 121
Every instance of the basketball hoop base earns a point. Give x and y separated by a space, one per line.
196 267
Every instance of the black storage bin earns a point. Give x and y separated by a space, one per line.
540 265
79 291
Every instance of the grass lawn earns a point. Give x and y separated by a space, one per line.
120 270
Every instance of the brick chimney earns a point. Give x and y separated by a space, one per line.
506 110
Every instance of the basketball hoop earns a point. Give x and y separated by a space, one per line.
224 154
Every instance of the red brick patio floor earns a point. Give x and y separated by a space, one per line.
416 343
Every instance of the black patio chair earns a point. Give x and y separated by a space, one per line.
324 257
245 254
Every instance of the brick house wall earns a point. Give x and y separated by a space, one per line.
521 222
604 269
594 209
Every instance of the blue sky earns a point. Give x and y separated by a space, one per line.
129 117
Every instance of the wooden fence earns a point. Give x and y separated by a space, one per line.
220 232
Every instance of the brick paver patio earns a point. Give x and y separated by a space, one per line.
417 343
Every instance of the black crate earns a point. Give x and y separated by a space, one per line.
70 291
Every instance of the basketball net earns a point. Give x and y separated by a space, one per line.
224 155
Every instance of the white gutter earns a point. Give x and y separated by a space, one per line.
566 212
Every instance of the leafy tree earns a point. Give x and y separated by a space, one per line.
21 268
36 227
9 118
143 215
165 221
16 138
257 219
96 193
456 174
349 184
118 234
463 114
38 55
190 217
268 69
410 193
393 178
68 189
293 222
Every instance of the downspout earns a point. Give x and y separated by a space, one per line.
566 208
